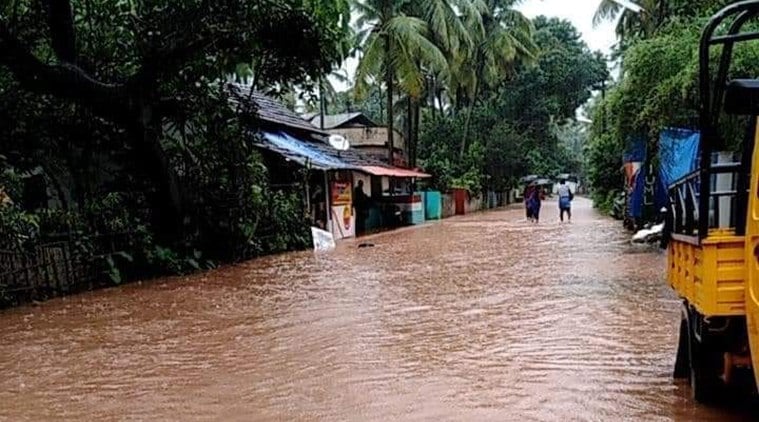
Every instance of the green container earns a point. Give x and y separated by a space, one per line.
374 219
433 205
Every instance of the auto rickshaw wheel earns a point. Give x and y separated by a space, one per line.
682 361
706 367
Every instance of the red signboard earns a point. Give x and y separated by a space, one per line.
341 193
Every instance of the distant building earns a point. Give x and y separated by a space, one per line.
363 134
289 142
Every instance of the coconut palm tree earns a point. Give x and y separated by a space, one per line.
450 32
639 18
503 40
395 47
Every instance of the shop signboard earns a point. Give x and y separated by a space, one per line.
341 193
342 219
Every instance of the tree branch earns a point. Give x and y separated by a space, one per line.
62 34
63 80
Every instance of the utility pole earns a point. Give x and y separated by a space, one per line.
322 104
603 106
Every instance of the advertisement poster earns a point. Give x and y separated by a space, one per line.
343 222
341 193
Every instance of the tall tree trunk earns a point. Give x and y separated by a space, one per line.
415 133
389 87
439 95
409 129
469 118
166 202
322 105
431 96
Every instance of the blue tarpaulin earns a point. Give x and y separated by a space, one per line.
301 152
678 154
636 196
635 149
634 157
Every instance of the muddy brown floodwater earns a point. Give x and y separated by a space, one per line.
482 318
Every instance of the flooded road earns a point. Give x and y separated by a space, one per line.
482 318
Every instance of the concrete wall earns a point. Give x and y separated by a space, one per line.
372 141
474 204
375 136
449 207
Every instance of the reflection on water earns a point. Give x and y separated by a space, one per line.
479 318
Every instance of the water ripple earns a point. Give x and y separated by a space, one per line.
485 318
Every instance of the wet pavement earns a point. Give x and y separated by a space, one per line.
480 318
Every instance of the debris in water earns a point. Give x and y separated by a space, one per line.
323 240
649 235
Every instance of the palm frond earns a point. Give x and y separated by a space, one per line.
607 10
408 74
410 34
365 10
520 30
444 23
370 65
472 12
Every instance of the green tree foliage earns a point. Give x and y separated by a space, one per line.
127 98
519 127
655 14
395 48
659 89
502 40
437 53
562 80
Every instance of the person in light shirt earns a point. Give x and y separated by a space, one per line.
565 201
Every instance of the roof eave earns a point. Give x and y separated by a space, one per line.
304 128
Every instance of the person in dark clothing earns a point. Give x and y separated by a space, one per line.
319 207
361 203
527 196
535 201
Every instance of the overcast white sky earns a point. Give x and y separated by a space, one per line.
579 12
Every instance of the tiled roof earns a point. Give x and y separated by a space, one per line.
321 154
303 148
332 121
269 109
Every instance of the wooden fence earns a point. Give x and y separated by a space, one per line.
56 267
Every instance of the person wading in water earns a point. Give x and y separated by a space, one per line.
565 201
534 202
362 203
527 196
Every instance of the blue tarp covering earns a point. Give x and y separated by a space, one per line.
301 152
648 194
635 152
636 196
678 154
635 149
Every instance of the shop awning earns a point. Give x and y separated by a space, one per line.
393 172
301 152
324 157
